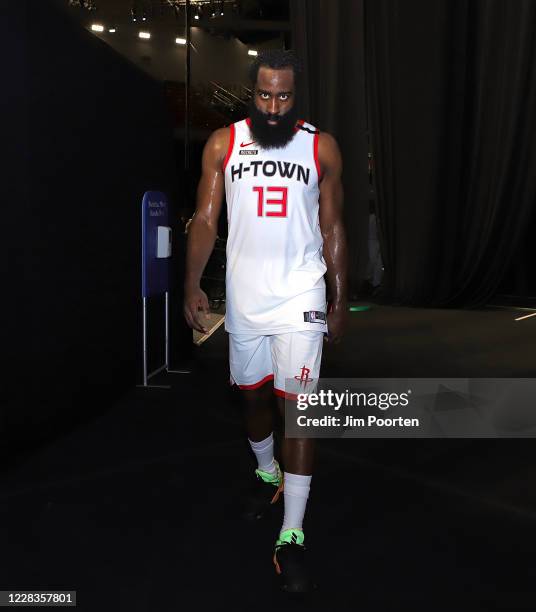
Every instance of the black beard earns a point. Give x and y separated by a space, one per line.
272 136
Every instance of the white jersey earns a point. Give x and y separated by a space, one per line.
275 267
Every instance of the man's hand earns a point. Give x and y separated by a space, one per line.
196 309
336 325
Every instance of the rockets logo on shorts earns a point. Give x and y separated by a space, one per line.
304 376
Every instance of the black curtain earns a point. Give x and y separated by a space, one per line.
86 133
328 37
452 93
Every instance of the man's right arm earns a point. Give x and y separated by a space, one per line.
202 231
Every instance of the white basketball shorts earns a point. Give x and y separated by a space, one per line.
291 360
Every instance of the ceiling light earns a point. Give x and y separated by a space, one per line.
145 35
180 41
252 52
112 30
97 27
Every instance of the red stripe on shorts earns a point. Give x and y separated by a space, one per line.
257 384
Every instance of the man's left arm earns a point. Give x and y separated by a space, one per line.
332 228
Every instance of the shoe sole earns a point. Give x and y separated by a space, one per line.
262 513
285 588
277 495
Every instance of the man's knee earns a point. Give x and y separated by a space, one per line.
283 403
260 397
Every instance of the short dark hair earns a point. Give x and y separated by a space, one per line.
276 59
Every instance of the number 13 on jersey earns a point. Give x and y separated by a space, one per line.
280 204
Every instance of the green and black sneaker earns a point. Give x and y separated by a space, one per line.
290 562
263 493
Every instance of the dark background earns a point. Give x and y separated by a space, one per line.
128 495
87 134
440 95
449 88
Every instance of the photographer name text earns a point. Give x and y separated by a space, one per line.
351 421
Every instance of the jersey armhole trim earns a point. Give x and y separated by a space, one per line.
298 125
230 148
317 162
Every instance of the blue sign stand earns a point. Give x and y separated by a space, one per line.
156 252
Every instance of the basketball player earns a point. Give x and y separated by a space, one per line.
282 182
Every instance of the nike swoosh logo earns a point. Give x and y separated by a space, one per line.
246 144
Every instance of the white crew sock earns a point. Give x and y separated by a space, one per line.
264 451
296 493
